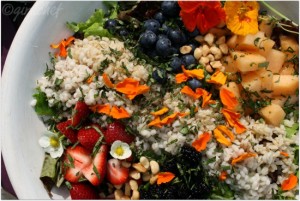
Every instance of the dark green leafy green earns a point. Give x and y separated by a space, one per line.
291 131
42 107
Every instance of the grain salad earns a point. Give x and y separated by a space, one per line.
147 106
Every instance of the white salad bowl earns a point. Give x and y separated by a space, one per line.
26 62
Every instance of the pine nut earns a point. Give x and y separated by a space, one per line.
221 40
211 57
133 184
118 194
216 64
125 164
204 60
146 176
209 38
127 189
209 69
205 50
135 195
224 48
139 167
185 49
118 186
154 166
145 162
198 53
199 39
135 174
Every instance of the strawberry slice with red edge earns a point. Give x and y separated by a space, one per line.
83 191
95 172
66 130
116 173
89 136
76 159
80 113
116 131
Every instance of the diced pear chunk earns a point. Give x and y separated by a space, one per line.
285 85
273 114
276 59
246 62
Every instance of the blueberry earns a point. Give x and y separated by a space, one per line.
163 47
188 60
111 24
159 17
148 39
174 50
176 37
160 36
152 25
170 8
123 32
194 33
194 83
175 64
165 29
160 75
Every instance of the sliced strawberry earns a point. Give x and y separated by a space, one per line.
83 191
80 113
116 131
95 172
89 135
116 173
64 128
76 159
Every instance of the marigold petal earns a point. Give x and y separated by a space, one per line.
284 154
107 81
91 78
217 78
218 133
201 142
99 108
195 73
155 122
164 177
289 183
119 113
128 86
169 119
242 158
188 91
226 131
233 120
228 99
181 77
160 112
223 176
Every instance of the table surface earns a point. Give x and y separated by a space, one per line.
12 15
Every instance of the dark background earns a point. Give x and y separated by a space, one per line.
12 15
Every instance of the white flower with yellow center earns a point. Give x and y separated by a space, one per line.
120 150
51 144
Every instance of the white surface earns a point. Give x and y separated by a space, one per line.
20 126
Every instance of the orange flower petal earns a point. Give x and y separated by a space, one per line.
217 78
91 78
228 99
219 132
188 91
107 81
233 120
160 112
201 142
289 183
181 77
242 157
164 177
119 113
196 73
284 154
104 109
223 176
205 97
169 119
62 46
128 86
155 122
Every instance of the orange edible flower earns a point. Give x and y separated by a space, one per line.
119 113
131 88
164 177
104 109
107 81
223 176
242 157
201 14
217 78
62 46
228 99
195 73
201 143
284 154
160 112
242 16
155 122
114 112
91 78
233 120
218 133
188 91
169 119
205 97
289 183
